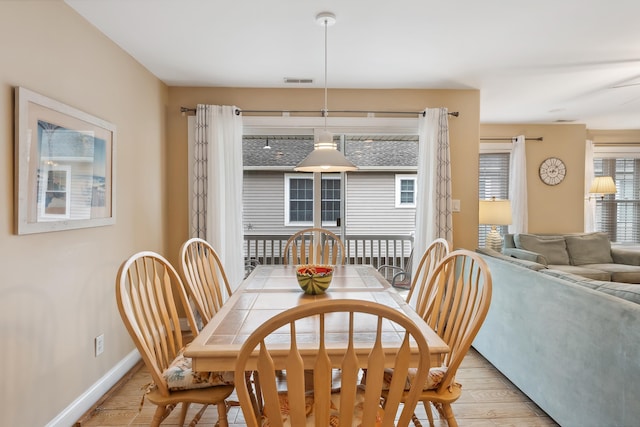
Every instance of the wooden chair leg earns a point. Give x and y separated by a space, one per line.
416 420
160 414
448 414
427 409
183 412
196 419
222 415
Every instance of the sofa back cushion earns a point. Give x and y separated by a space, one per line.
591 248
552 248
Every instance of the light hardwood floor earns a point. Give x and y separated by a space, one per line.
488 399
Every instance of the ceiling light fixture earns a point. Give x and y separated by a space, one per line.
325 156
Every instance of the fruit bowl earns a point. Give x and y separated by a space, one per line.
314 279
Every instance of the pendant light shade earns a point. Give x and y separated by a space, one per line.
325 156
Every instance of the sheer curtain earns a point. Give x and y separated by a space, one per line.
216 210
518 187
433 205
589 202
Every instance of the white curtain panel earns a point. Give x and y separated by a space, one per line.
433 204
589 202
217 185
518 187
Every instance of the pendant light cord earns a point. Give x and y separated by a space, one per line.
325 113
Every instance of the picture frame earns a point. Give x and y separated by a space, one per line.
64 166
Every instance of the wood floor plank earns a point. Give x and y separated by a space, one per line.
488 400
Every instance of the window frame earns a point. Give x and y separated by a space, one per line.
287 187
44 190
489 148
608 205
399 178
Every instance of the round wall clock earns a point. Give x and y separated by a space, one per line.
552 171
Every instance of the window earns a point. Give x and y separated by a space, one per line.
300 202
299 199
405 191
55 192
330 199
619 214
494 182
277 199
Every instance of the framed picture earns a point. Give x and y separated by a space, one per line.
64 166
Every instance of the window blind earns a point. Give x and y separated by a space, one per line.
493 182
619 214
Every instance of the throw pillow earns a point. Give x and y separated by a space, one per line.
592 248
553 249
180 375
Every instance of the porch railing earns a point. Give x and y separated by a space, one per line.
375 250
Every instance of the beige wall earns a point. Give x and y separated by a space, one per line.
57 289
463 138
551 208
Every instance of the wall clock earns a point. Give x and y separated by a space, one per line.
552 171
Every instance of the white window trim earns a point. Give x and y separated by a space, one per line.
399 179
283 125
311 176
44 189
495 147
616 152
287 186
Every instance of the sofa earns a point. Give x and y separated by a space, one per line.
569 342
585 254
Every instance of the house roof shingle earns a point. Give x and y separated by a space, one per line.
387 152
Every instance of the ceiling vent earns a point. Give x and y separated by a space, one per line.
292 80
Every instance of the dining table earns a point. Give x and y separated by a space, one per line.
272 289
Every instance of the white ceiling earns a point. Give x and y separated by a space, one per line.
534 62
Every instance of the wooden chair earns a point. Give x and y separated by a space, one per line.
435 252
314 246
325 406
454 303
145 287
207 284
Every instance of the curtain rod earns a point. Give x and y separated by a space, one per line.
616 144
539 138
322 112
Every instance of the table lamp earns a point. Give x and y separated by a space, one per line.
494 212
602 185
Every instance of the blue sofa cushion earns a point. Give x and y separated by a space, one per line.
581 276
552 248
626 291
592 248
622 273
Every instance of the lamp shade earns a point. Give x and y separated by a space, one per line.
603 185
325 157
495 212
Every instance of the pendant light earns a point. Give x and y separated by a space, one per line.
325 156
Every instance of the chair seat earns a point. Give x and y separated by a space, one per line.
334 420
204 396
180 375
432 382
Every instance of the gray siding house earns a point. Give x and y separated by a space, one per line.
378 200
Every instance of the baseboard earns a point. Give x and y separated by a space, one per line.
84 402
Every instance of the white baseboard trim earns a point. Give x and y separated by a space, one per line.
86 400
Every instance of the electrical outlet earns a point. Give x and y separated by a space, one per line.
99 341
